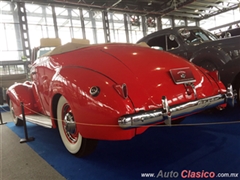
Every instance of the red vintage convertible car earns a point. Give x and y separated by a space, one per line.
112 92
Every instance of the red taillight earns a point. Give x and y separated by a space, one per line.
122 90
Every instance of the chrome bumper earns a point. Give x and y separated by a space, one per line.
167 113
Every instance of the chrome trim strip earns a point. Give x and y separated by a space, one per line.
40 120
167 112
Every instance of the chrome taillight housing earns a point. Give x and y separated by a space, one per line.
122 90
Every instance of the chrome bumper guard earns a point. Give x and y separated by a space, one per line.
167 113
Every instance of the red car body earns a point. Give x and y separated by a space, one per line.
115 91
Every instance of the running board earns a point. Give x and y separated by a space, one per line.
41 120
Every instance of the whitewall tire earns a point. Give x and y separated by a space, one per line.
71 137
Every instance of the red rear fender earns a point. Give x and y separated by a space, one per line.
96 114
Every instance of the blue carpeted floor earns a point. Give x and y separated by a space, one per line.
4 108
212 148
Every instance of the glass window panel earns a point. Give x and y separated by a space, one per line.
224 18
39 14
121 36
10 45
69 24
99 23
89 35
118 35
61 11
76 22
166 23
10 55
151 23
87 23
11 37
6 12
93 23
40 23
117 28
20 69
33 8
36 32
75 13
136 31
236 14
64 34
5 6
118 17
65 24
85 13
97 18
221 20
179 22
3 42
97 15
208 23
48 9
77 32
34 20
135 35
12 69
100 36
6 18
49 21
151 29
1 70
5 70
191 22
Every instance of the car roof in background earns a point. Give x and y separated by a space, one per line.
166 31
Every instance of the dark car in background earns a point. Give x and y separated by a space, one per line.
229 33
202 48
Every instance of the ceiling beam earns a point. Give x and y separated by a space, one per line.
183 15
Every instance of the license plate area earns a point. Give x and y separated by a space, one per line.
182 75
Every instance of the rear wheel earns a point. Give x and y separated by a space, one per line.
208 65
16 120
71 137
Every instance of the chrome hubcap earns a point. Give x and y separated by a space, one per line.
70 124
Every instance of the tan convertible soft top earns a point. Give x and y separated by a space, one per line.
75 44
65 48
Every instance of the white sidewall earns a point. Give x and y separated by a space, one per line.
72 148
